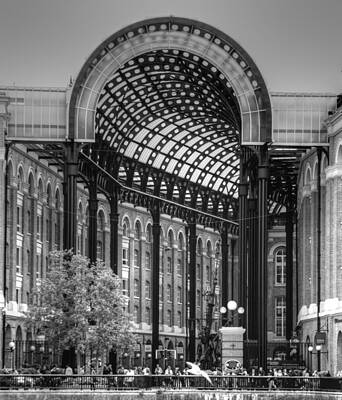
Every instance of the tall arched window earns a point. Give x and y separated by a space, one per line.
80 228
137 244
48 215
30 207
20 198
148 251
280 266
100 243
180 257
58 220
125 257
40 211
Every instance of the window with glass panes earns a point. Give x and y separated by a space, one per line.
280 266
179 318
169 265
148 260
280 315
136 314
198 298
179 266
147 290
148 316
169 293
136 258
136 288
179 294
169 317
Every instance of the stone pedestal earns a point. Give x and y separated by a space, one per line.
232 344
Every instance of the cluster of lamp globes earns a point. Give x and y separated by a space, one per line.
232 306
318 348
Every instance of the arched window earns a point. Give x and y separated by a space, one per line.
170 239
20 199
125 228
137 231
280 266
181 255
125 257
31 206
20 180
48 215
100 244
39 211
280 315
137 244
149 233
209 249
58 220
80 228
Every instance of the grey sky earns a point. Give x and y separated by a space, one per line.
295 43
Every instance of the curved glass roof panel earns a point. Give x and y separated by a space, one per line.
173 111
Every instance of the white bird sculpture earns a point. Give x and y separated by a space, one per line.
196 370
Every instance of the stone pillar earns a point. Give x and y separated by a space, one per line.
232 344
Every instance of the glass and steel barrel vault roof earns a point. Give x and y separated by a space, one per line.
172 111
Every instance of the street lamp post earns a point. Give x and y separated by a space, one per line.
318 349
310 349
11 346
32 350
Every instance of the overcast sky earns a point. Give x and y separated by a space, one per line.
295 43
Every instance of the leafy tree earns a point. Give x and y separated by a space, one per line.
80 305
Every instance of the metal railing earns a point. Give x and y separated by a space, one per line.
141 382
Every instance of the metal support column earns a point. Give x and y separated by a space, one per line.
192 294
225 277
289 271
243 190
93 204
252 295
114 228
155 211
319 206
263 174
70 195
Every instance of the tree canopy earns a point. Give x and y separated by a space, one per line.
80 305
